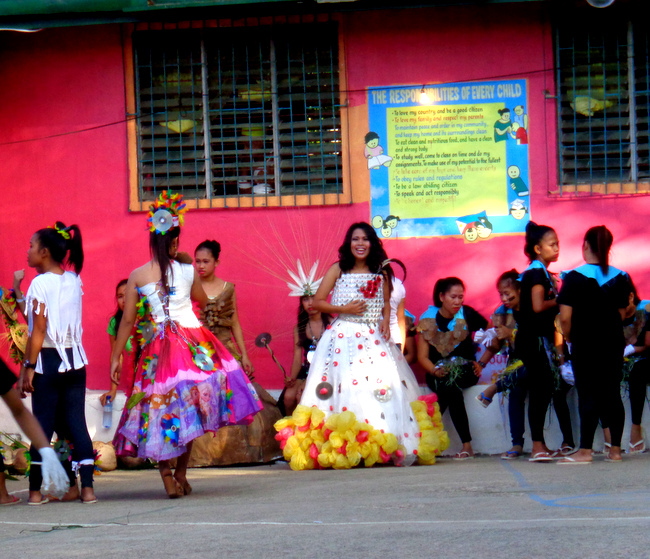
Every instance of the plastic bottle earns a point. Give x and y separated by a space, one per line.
108 413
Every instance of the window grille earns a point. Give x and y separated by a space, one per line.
604 98
239 115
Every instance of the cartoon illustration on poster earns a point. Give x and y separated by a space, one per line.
456 166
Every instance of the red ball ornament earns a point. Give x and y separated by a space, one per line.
372 331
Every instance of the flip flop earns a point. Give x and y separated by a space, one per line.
511 455
637 448
15 500
541 457
89 501
568 461
483 400
464 455
43 501
563 451
608 458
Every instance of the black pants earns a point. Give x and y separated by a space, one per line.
540 384
598 372
451 396
58 402
517 386
638 383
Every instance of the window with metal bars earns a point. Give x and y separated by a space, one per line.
239 115
604 100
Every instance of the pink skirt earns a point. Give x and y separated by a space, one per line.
186 384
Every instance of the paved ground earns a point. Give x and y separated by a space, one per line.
479 508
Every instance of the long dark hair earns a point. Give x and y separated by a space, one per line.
534 235
159 246
600 240
212 246
118 311
303 320
376 254
442 286
64 251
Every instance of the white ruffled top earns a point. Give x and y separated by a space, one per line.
60 296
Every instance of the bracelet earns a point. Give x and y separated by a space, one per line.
20 300
482 364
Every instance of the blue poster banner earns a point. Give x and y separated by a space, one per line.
449 160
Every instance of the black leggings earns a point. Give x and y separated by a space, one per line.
638 383
598 382
516 384
451 396
540 384
58 402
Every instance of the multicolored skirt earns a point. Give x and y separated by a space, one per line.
186 384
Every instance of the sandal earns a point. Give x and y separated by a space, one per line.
568 461
14 501
43 501
511 455
464 455
564 450
541 457
637 448
172 487
483 400
185 486
608 458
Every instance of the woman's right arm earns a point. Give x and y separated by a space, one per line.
537 298
320 299
423 357
125 329
34 346
297 358
113 391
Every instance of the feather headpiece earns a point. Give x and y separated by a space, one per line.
305 285
166 212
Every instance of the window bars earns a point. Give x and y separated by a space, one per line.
239 114
604 98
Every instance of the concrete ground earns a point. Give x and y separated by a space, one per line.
484 507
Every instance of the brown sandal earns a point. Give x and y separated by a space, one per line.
172 487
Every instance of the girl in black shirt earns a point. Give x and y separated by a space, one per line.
591 302
535 340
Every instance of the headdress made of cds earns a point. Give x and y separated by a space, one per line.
305 284
166 212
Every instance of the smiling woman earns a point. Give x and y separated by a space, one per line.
359 382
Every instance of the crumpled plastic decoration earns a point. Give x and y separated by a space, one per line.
309 441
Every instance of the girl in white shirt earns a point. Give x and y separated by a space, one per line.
54 367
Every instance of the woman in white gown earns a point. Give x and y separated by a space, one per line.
357 401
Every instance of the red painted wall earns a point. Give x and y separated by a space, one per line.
59 81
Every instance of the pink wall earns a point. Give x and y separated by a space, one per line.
61 80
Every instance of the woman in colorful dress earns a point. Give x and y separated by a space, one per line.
592 302
186 383
361 401
446 351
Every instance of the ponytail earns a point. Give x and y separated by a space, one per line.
534 235
511 276
159 246
64 244
600 240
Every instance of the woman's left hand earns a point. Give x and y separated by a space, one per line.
248 366
477 368
25 381
384 329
